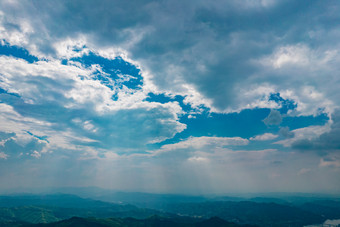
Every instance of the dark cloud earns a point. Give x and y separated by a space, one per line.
285 132
208 45
6 135
274 118
326 142
30 149
126 128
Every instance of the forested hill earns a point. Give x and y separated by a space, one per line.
154 221
63 210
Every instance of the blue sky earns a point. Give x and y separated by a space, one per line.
170 96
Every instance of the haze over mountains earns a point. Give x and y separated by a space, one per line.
164 210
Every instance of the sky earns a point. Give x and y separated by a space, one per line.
190 97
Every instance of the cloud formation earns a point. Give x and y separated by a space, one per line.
68 106
263 137
190 96
274 118
215 49
326 142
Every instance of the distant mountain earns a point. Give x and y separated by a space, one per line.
268 200
58 200
262 214
27 214
33 209
147 200
51 208
140 199
327 208
158 201
154 221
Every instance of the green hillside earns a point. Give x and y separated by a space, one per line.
60 210
154 221
28 214
263 214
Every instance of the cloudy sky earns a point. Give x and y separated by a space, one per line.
170 96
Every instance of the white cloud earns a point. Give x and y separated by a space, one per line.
329 163
309 101
36 154
294 55
325 141
304 171
53 94
198 159
310 132
183 51
71 48
15 35
265 136
305 75
204 142
3 155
